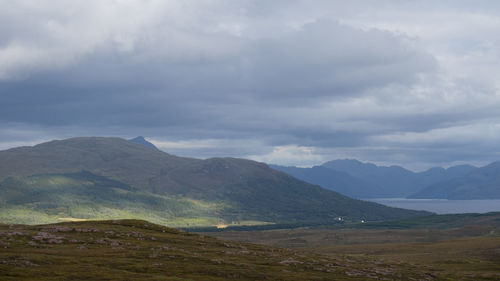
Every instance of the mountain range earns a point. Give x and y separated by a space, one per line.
481 183
366 180
97 178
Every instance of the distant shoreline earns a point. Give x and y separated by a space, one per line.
441 206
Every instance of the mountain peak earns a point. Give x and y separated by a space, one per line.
142 141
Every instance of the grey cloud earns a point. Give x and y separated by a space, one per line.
247 76
324 59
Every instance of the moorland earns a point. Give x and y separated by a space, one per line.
138 250
97 208
449 247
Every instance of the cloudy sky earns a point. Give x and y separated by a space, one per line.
413 83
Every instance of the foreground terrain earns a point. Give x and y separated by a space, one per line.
138 250
455 247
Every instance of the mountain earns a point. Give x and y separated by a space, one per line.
439 174
330 179
393 181
366 180
225 190
481 183
83 195
141 140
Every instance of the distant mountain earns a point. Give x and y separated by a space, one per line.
330 179
438 174
481 183
366 180
141 140
198 192
393 181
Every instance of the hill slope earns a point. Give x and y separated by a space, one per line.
138 250
482 183
238 190
83 195
116 158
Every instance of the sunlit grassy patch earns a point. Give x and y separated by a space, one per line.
84 196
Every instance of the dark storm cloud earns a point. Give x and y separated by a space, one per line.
323 60
283 79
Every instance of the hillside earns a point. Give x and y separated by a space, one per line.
59 197
138 250
116 158
482 183
187 192
366 180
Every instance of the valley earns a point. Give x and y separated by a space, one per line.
451 247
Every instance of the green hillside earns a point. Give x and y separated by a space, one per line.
83 195
45 183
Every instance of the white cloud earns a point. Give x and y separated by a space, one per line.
290 155
52 34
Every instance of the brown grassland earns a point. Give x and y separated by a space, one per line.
467 253
138 250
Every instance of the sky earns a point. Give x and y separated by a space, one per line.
411 83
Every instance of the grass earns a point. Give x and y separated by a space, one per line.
468 252
139 250
48 198
435 221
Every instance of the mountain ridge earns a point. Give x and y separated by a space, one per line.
366 180
482 183
244 190
338 181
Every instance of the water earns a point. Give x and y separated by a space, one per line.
442 206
